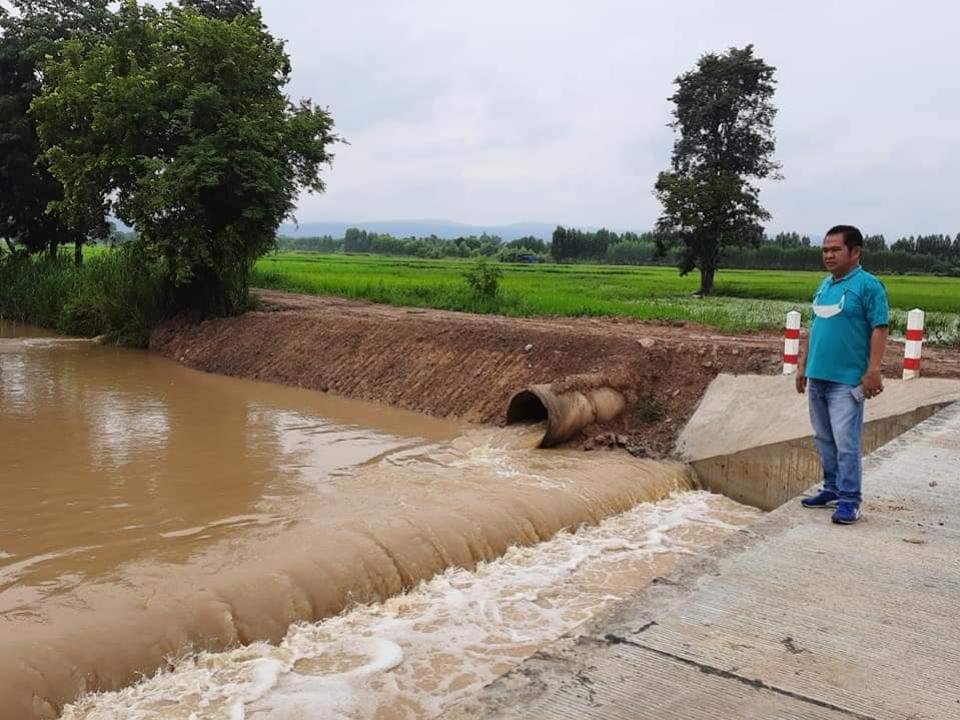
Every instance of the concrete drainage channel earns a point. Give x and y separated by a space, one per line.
795 617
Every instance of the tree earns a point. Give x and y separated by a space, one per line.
530 243
936 245
357 240
724 115
559 243
177 124
875 243
788 240
27 37
220 9
905 244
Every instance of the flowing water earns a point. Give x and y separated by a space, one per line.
371 563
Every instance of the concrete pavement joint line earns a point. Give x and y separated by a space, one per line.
756 684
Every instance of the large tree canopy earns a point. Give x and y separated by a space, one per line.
178 125
724 115
28 36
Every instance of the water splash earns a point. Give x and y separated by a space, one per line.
417 653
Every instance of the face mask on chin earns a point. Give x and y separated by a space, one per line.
828 311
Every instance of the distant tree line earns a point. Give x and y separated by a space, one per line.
925 254
932 254
940 246
356 240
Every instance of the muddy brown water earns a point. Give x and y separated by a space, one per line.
150 511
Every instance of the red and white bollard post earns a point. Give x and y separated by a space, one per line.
791 343
913 345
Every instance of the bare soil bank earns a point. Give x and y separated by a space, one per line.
459 365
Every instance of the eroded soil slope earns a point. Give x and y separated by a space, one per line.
468 366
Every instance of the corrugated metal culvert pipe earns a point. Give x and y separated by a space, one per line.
565 412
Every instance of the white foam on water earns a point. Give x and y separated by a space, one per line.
27 343
415 654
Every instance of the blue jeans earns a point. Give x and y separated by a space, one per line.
836 413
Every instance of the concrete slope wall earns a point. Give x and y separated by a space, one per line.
770 475
751 439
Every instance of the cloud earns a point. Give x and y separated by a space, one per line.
502 111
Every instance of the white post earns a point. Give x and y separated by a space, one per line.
914 344
791 343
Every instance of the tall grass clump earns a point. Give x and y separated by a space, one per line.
35 289
115 294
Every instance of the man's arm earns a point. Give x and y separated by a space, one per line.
873 380
878 315
801 378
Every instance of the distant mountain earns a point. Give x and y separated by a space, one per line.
420 228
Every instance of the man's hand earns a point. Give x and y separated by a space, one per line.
801 380
872 383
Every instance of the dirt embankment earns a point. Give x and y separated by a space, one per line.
468 366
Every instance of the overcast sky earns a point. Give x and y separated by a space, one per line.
504 111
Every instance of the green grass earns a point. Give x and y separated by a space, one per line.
746 299
116 295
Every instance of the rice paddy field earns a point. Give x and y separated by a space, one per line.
745 299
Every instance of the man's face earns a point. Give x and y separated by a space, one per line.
837 257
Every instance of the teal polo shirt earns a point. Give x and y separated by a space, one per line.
839 349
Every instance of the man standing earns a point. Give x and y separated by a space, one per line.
842 367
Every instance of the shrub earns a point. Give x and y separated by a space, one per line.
484 280
650 409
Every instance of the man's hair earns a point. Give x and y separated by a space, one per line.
852 237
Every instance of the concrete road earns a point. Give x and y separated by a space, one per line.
794 618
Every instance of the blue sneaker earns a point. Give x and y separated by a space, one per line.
822 499
847 513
